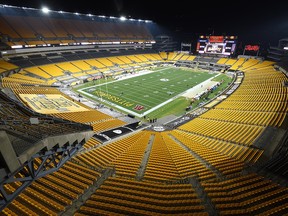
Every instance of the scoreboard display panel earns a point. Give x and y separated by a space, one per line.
221 45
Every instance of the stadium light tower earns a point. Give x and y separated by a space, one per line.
45 10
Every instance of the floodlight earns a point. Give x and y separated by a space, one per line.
45 10
122 18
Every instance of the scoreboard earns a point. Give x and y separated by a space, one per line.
221 45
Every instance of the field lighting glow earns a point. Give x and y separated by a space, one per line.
45 10
122 18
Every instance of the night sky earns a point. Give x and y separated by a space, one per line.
251 21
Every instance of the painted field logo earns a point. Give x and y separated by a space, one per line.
138 107
164 80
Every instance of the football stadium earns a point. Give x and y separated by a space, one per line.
103 116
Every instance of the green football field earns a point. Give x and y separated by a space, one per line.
141 94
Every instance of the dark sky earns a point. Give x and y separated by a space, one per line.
251 21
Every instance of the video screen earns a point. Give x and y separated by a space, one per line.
221 45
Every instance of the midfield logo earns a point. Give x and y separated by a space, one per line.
138 107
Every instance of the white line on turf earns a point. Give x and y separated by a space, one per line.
150 110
